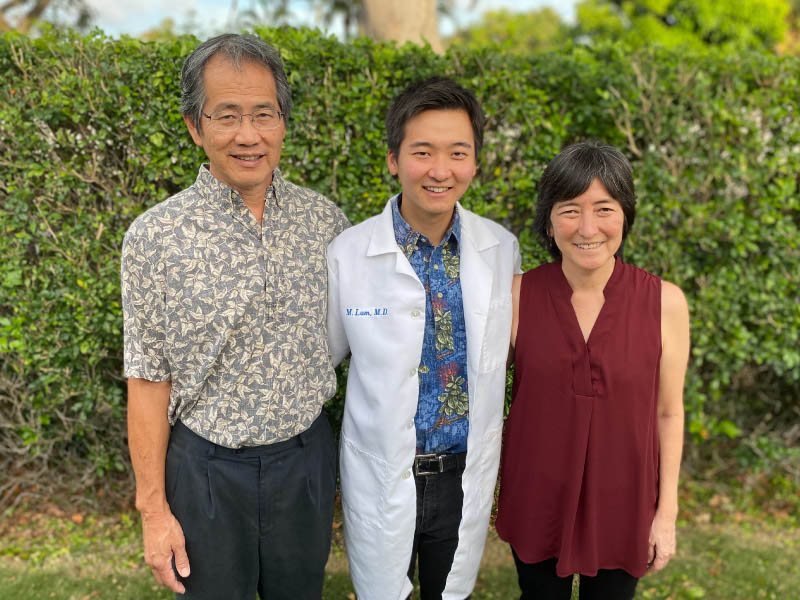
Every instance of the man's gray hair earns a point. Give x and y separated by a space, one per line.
236 48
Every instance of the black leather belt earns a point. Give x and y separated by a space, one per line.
433 464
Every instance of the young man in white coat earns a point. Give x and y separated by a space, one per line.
421 296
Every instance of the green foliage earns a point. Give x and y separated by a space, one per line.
520 33
90 136
693 24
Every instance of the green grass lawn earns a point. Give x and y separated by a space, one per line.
75 558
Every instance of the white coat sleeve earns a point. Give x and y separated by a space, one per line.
337 336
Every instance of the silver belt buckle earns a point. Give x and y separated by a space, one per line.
419 457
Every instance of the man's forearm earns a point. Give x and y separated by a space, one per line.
148 435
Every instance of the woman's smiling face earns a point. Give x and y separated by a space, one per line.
587 229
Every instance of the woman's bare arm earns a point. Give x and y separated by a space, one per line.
674 359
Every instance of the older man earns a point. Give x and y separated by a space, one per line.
224 299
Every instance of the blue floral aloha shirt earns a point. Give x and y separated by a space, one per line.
442 419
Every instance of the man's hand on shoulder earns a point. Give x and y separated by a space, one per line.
163 539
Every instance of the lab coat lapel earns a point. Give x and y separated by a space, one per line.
382 242
476 283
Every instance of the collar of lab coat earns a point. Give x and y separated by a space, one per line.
473 232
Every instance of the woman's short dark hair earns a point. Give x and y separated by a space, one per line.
434 93
237 48
571 173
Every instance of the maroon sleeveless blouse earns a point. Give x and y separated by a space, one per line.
579 477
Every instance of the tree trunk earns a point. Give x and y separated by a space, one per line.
403 21
27 17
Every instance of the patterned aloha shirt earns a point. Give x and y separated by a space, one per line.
232 313
442 418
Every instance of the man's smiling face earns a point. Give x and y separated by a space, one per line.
435 165
245 158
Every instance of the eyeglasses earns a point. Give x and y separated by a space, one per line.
228 120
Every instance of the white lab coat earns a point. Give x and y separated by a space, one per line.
376 309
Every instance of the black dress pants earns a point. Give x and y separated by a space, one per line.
539 581
439 500
256 519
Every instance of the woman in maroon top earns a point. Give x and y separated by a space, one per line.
593 441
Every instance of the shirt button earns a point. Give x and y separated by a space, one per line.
439 295
415 313
412 372
435 267
410 424
406 474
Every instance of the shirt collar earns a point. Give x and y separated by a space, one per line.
406 237
213 188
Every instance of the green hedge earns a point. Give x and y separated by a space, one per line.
90 136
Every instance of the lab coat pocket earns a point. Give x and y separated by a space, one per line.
496 335
364 480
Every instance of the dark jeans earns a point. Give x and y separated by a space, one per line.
539 581
439 500
255 519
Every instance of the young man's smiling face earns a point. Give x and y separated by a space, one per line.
435 165
244 158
